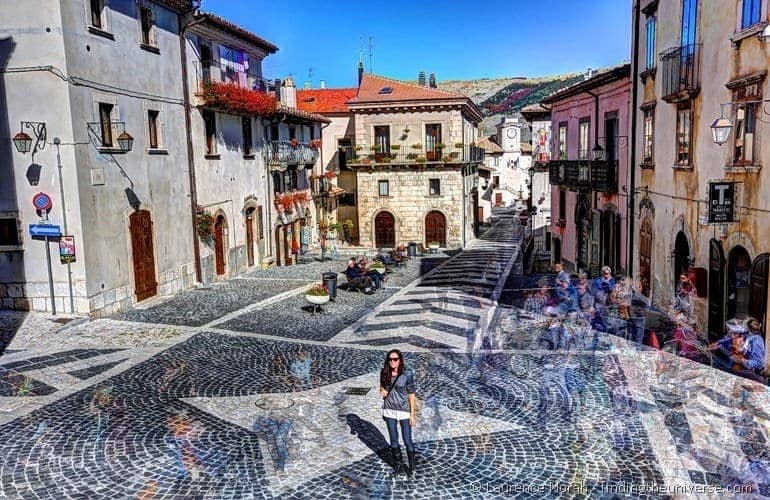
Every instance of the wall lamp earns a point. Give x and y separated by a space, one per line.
23 142
722 126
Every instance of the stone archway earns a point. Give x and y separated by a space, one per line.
220 245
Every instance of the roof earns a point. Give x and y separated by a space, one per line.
178 5
526 148
298 113
234 29
601 78
370 92
325 100
534 110
489 146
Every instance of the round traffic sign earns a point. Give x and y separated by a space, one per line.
42 201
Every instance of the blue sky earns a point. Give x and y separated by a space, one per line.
454 39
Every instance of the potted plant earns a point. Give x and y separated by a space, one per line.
434 245
440 146
317 295
417 145
459 145
421 159
204 225
294 143
454 155
315 144
411 156
330 175
359 148
395 147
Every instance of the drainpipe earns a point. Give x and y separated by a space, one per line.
634 119
188 129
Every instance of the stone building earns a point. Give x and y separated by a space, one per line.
247 161
513 169
695 62
488 174
589 171
103 83
416 164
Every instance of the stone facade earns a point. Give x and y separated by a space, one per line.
409 201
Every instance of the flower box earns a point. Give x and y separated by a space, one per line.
232 98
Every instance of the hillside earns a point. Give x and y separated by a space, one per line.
506 96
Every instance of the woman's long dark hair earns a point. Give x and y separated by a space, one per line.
385 373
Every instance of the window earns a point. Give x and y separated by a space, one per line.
105 121
210 122
434 187
96 8
382 139
260 224
649 137
153 124
651 26
9 231
745 134
386 90
384 187
683 135
248 149
563 141
583 131
290 180
562 204
347 200
292 132
432 141
274 132
496 180
689 22
147 22
750 13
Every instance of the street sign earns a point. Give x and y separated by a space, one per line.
67 249
44 230
721 202
42 202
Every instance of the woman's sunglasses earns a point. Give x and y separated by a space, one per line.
394 359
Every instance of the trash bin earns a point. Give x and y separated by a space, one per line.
330 281
412 249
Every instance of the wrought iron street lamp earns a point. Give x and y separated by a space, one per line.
597 152
23 142
125 141
720 130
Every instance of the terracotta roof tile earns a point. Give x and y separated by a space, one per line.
371 85
488 145
325 100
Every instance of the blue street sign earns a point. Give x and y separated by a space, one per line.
43 230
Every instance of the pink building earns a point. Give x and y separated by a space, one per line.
589 171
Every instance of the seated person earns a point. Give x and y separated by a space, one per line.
566 296
356 277
603 284
686 337
386 259
536 302
560 273
742 350
375 276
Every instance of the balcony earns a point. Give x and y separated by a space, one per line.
215 72
283 153
584 175
408 156
680 72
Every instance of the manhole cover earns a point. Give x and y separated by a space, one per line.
274 403
357 391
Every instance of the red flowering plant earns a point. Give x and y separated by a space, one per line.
232 98
330 175
301 196
294 143
315 144
318 290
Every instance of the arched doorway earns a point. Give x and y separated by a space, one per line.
583 221
220 232
681 256
143 255
435 228
759 275
610 240
716 289
250 235
738 283
645 256
384 230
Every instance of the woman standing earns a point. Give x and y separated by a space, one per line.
398 407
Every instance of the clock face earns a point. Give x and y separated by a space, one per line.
511 133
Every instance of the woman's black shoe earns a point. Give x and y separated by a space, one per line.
410 456
398 460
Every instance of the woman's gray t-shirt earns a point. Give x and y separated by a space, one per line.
398 397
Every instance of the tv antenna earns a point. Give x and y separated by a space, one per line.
371 54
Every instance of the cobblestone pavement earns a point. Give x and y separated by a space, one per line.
235 391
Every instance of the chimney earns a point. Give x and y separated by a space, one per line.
360 72
322 84
277 86
421 79
289 93
432 80
588 75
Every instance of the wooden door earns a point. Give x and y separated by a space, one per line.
278 247
759 276
435 228
384 230
250 236
498 199
645 256
219 244
716 311
140 226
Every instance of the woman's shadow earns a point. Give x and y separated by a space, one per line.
371 437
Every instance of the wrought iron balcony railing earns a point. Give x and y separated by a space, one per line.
448 155
290 153
601 176
680 72
212 71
